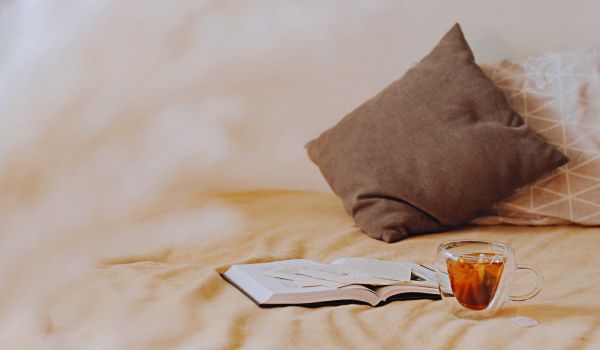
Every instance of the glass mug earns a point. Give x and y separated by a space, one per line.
475 277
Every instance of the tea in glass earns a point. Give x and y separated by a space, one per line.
474 278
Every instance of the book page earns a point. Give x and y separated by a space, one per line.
422 280
424 273
399 271
263 289
279 285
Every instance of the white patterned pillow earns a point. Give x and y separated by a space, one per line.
558 95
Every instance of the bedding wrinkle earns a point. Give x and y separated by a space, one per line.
409 318
344 337
272 242
580 341
160 257
203 290
455 333
172 297
359 330
551 311
333 241
539 243
566 294
295 329
594 339
362 327
237 331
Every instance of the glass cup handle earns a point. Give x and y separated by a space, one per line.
536 289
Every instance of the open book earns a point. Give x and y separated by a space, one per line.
269 284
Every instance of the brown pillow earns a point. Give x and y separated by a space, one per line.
432 149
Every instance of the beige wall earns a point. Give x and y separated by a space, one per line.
356 52
228 92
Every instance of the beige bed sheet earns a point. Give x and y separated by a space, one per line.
176 299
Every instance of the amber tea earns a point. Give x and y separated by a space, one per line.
474 278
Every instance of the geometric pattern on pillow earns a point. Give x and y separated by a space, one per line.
558 96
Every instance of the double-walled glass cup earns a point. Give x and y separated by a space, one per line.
475 277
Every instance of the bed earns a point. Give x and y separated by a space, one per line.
123 123
175 299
